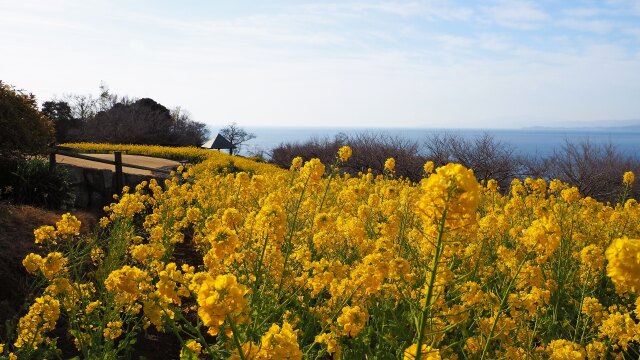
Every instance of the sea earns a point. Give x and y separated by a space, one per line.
525 141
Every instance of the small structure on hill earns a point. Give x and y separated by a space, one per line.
219 143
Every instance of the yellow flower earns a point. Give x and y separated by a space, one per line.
565 350
352 320
92 306
570 195
344 153
44 233
428 353
312 170
620 328
280 343
296 163
628 178
231 217
219 298
333 346
592 257
623 256
454 189
128 284
144 253
68 226
191 350
492 185
596 350
113 330
53 264
193 214
390 165
97 255
32 262
42 317
592 308
104 221
428 167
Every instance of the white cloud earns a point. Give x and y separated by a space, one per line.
432 10
493 42
594 26
518 14
582 12
633 31
453 41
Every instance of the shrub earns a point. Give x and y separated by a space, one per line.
23 129
489 158
370 151
34 183
596 170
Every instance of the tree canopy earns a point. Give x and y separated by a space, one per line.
23 129
120 119
236 136
63 121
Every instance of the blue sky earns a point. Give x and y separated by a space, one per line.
488 64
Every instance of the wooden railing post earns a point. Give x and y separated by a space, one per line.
52 160
119 177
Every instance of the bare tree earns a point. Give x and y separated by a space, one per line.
596 169
488 157
370 151
236 136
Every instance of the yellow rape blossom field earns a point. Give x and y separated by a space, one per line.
315 264
216 159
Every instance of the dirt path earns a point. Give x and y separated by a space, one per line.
148 161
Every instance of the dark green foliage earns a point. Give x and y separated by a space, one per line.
143 121
65 124
23 129
33 183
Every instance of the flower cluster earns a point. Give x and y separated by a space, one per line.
41 318
66 228
220 299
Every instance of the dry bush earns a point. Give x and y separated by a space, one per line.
370 151
324 149
596 170
489 158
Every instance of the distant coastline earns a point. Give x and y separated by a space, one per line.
538 140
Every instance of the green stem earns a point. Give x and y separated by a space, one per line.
427 306
503 302
236 341
290 236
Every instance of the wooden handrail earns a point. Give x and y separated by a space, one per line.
110 162
117 163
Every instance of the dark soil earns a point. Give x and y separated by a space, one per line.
17 223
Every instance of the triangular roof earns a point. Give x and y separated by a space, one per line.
220 142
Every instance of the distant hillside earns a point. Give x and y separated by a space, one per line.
605 125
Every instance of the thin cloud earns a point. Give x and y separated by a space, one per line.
593 26
516 14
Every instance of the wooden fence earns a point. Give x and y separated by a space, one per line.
116 162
